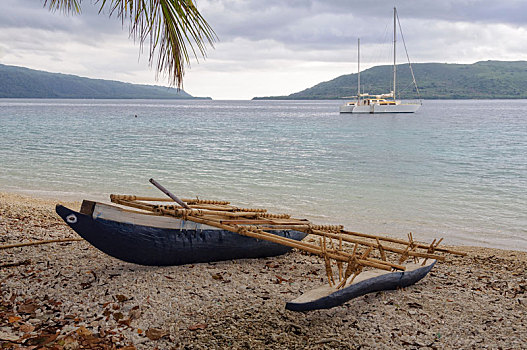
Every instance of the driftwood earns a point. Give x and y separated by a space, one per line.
25 244
257 223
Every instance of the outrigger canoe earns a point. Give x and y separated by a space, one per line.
146 239
196 231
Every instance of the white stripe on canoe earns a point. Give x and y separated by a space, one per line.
113 213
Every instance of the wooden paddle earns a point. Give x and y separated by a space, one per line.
168 193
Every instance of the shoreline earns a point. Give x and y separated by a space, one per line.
77 197
74 202
75 294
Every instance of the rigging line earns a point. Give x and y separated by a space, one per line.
408 57
410 84
377 57
388 49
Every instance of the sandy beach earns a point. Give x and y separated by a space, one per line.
72 296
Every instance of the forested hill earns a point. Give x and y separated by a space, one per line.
481 80
20 82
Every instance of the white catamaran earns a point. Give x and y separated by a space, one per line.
384 103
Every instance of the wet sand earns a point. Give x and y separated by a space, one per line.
72 296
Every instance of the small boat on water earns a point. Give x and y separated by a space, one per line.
384 103
374 104
147 239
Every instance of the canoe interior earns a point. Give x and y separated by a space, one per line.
102 211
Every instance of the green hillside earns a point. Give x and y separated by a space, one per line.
481 80
20 82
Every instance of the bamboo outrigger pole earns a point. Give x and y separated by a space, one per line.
260 234
298 225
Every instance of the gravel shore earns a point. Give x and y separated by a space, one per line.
72 296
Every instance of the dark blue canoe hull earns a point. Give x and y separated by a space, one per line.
146 245
388 281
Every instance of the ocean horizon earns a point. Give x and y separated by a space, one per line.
456 169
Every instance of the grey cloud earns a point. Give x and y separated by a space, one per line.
89 25
312 21
301 24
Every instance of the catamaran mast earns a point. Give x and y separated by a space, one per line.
358 70
394 41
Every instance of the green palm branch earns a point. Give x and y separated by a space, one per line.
173 29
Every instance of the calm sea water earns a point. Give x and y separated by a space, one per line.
456 169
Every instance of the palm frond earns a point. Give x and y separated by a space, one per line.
172 28
66 6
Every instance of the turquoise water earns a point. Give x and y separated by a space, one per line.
456 169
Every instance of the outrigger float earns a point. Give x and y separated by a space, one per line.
162 231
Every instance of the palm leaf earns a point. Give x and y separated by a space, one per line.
171 27
66 6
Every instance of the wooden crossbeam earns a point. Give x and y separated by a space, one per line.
164 199
270 221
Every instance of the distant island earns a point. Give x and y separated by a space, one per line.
480 80
20 82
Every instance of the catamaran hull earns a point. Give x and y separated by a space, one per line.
376 108
165 244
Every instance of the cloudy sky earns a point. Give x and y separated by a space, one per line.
271 47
